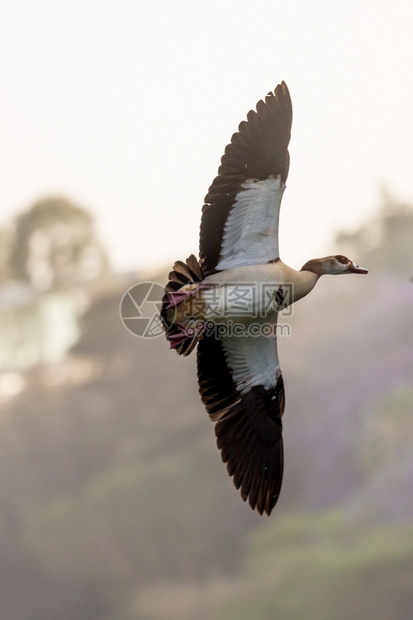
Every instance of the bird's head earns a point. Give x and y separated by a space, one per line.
333 265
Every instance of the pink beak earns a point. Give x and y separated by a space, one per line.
356 269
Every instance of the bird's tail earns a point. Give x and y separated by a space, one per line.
185 280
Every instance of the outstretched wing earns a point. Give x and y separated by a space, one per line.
241 385
240 215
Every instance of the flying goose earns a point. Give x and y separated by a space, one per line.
241 282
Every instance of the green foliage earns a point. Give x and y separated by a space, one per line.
325 567
133 524
115 505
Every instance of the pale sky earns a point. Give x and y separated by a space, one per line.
126 107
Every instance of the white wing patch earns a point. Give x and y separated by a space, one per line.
251 230
253 361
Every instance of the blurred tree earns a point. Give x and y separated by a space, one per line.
6 240
384 241
56 246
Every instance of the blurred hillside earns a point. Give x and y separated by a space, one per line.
115 505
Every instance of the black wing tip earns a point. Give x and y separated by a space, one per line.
281 91
284 88
259 483
250 439
279 99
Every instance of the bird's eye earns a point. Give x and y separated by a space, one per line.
342 259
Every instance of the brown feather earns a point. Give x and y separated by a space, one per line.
181 275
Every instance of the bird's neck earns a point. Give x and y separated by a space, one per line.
304 282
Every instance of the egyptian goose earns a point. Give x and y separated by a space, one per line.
240 282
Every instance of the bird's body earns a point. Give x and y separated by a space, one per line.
228 302
244 293
266 278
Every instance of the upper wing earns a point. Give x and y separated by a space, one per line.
239 223
241 385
